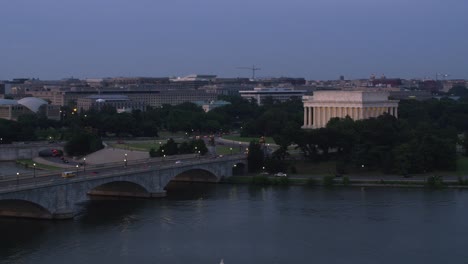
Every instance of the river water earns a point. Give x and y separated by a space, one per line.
200 223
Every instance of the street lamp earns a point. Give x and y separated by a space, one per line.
34 172
17 179
164 157
230 150
77 166
199 154
84 164
125 163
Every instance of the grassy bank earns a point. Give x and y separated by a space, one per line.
30 164
330 181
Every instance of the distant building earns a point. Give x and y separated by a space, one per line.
210 105
12 109
325 105
120 102
280 94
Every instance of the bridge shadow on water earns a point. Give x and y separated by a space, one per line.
105 211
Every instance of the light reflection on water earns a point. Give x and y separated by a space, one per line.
200 223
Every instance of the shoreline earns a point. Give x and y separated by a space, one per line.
415 184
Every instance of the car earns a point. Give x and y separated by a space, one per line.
280 174
178 162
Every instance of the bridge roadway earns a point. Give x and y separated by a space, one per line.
50 196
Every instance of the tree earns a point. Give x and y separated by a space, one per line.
255 157
83 143
465 142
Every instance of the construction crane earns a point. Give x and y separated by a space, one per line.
253 69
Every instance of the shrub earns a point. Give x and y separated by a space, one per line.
346 181
153 153
462 181
311 182
293 169
435 182
260 180
328 181
283 181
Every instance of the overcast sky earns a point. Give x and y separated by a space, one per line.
315 39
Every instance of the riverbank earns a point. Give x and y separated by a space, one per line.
329 181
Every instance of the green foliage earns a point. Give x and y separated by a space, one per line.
260 180
274 165
311 182
464 143
462 181
435 182
281 181
153 153
328 181
459 90
82 143
171 148
255 157
346 181
293 169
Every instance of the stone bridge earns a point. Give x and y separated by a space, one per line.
57 198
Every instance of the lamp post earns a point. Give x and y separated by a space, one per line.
230 150
125 163
199 154
17 179
164 157
84 164
34 173
77 167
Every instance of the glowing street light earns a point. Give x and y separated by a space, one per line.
34 172
84 164
17 179
77 167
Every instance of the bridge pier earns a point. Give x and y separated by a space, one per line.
62 215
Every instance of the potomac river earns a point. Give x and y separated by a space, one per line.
204 223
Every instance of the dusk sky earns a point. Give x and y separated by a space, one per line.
315 39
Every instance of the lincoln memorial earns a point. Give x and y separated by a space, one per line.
324 105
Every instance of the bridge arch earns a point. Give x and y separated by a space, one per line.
124 188
23 208
196 175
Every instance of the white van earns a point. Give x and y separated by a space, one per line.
68 174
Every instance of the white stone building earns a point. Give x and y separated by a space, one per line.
277 93
325 105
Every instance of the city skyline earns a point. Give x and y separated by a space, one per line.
318 41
